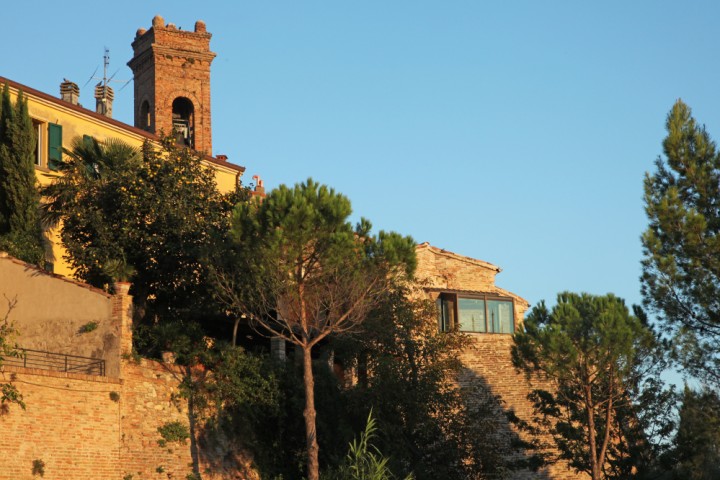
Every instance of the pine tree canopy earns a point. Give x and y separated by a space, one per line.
681 246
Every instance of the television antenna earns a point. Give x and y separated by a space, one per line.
105 80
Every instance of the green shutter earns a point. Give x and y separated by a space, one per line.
88 140
54 145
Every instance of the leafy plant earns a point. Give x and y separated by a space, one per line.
173 432
38 467
88 327
115 396
364 461
119 270
8 348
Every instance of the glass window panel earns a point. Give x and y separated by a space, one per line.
446 312
500 314
472 315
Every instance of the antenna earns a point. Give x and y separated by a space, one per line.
105 81
103 92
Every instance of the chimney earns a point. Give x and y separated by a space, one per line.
69 92
259 190
104 99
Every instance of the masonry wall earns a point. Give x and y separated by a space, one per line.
488 360
150 399
86 427
58 315
70 423
488 363
98 428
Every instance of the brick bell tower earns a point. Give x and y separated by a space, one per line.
171 69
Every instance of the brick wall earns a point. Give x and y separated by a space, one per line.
87 427
98 428
70 423
169 63
487 361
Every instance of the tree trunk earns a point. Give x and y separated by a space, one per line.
313 467
235 329
596 472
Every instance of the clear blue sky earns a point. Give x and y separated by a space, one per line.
515 132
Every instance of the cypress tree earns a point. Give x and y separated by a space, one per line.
20 231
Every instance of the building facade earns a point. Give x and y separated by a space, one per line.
172 88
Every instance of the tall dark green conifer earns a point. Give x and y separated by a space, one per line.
20 231
681 268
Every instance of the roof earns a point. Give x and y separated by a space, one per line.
455 256
102 118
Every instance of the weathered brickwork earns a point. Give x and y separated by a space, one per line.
170 63
487 361
87 427
71 424
98 428
150 399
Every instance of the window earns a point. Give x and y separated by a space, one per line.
54 145
145 116
476 313
38 127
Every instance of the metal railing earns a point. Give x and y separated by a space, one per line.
58 362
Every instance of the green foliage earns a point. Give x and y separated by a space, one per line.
604 364
20 231
173 432
302 272
297 255
696 455
364 461
681 247
9 393
150 215
407 371
255 400
88 327
114 396
38 467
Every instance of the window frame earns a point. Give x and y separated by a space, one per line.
54 134
448 303
40 132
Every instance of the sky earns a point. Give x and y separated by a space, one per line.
516 132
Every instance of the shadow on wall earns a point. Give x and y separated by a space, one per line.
505 450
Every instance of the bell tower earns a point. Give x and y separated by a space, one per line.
171 70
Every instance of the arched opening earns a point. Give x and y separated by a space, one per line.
183 118
145 120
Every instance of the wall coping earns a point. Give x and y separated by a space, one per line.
54 374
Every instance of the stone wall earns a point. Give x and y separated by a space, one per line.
86 427
55 314
487 361
488 364
98 428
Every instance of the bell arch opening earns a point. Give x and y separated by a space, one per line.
183 121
